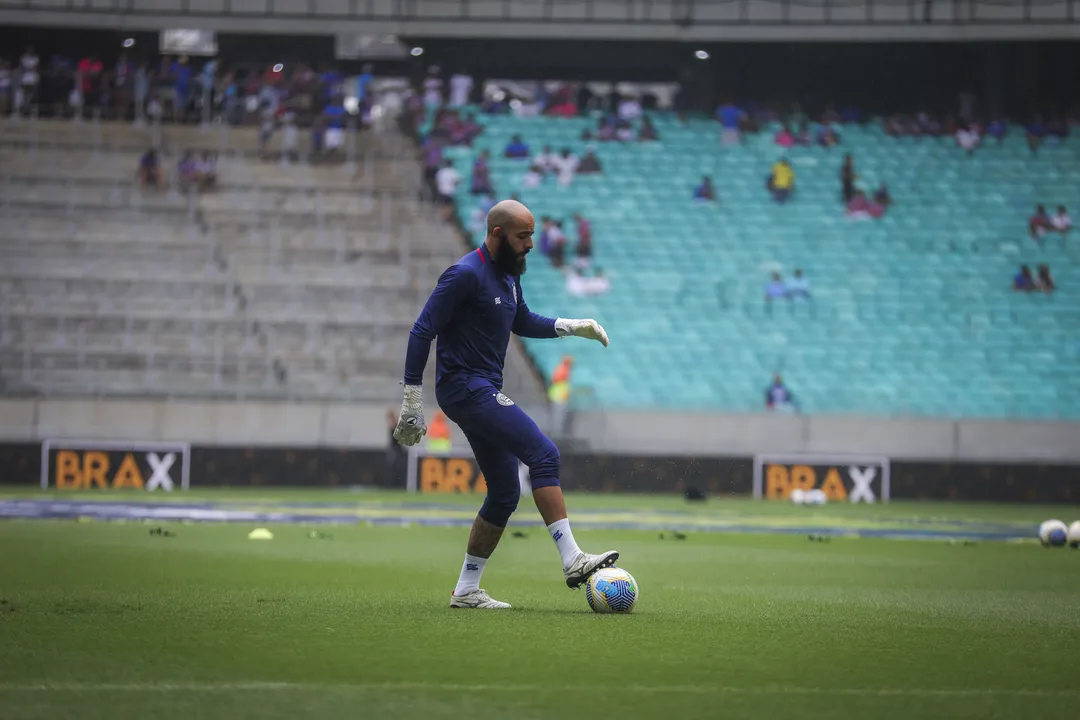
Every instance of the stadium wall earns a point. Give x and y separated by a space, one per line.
256 467
362 426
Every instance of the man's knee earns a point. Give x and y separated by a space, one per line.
544 465
501 502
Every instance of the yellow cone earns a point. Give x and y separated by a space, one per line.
260 534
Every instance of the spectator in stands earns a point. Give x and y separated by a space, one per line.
566 165
997 129
629 109
778 398
705 192
729 116
461 85
882 196
774 289
533 177
1044 282
547 160
647 132
481 175
546 223
557 241
590 164
29 79
187 170
433 88
1036 132
207 171
584 243
1023 281
334 116
894 126
1061 222
150 170
605 128
827 136
858 207
516 148
180 71
466 130
446 182
798 286
90 69
432 151
968 138
847 178
784 138
781 181
802 135
1039 223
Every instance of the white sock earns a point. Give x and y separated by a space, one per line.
471 570
564 541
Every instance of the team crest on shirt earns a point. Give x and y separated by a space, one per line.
503 400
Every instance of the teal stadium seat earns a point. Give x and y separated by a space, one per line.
913 313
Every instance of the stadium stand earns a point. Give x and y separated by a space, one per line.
913 313
288 281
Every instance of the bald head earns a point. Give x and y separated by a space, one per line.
508 215
510 228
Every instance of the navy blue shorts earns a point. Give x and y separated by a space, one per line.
500 434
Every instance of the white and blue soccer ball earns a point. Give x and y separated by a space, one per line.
1053 533
1074 535
798 496
611 590
816 496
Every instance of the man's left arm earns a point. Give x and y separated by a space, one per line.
529 324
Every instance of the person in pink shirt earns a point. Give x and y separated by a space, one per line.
1039 223
784 138
584 244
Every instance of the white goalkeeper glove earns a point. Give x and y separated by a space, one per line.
581 328
410 425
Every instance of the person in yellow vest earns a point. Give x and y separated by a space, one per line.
438 434
559 395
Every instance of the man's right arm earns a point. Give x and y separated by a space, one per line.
454 287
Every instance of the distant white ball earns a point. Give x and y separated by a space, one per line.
1053 533
798 496
816 497
1074 535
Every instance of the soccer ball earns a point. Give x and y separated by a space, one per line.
798 496
1053 533
611 590
816 497
1074 535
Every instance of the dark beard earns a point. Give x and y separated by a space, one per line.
508 261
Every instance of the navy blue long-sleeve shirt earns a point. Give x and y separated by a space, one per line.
472 312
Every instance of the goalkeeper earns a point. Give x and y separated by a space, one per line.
472 311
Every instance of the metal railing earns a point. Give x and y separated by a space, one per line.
671 13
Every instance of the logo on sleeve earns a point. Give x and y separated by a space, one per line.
498 301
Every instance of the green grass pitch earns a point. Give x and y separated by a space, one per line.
105 620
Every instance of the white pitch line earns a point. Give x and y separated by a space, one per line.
173 687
